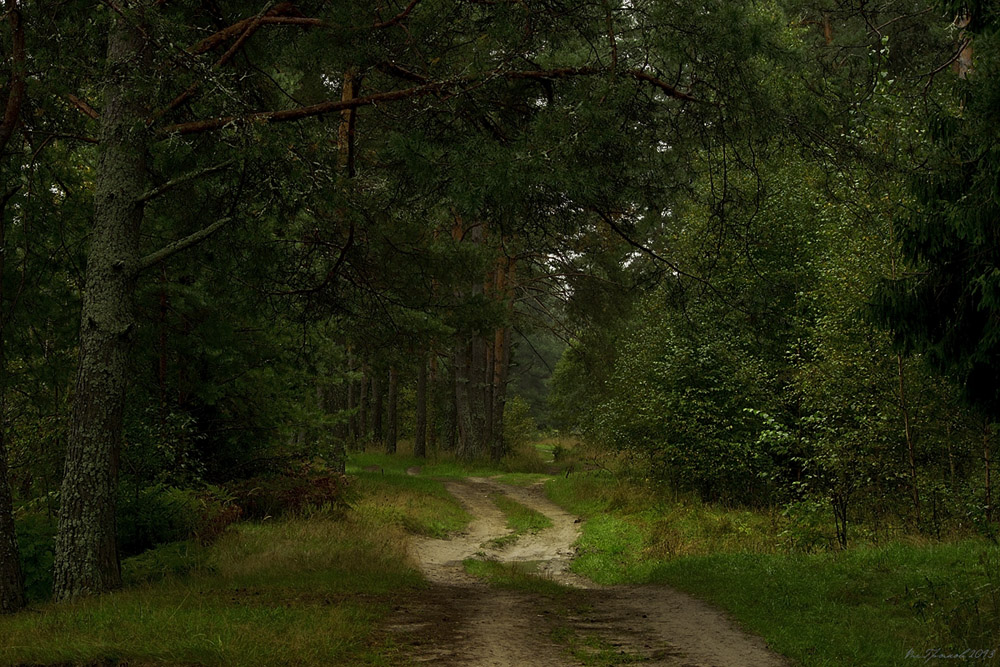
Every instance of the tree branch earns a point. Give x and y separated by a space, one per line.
170 185
194 127
664 86
299 113
399 18
155 258
84 108
282 14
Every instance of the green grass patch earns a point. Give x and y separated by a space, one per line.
307 592
866 605
520 519
418 504
442 465
522 479
522 576
591 650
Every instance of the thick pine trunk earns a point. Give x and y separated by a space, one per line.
420 437
86 558
392 418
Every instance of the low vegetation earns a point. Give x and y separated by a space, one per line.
513 576
818 604
308 588
520 520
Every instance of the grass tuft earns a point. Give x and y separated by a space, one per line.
519 576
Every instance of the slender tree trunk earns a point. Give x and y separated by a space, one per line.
463 415
420 437
951 455
904 408
338 454
489 369
86 558
501 359
903 405
364 401
376 416
392 418
352 405
451 425
987 436
432 400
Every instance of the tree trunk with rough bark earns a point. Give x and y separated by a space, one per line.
86 558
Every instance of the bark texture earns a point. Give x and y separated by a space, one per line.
86 559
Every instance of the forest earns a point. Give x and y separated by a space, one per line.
701 295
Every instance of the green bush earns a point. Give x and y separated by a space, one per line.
154 515
158 514
300 488
519 427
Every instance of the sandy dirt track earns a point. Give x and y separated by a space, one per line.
460 620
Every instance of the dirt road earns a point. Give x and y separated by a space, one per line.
462 621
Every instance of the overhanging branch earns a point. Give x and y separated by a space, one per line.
155 258
430 88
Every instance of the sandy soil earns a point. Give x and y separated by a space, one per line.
461 621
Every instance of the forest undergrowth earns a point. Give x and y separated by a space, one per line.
314 587
893 596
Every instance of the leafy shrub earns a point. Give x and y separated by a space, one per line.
36 534
300 488
158 514
808 524
154 515
519 426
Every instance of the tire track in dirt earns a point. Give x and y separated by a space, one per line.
460 620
